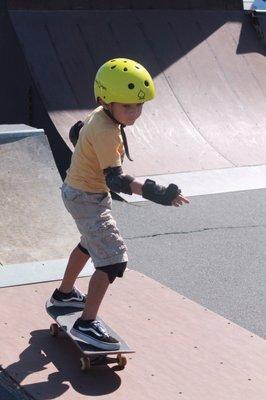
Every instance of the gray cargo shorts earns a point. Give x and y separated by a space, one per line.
99 234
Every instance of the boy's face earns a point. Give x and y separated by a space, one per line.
127 114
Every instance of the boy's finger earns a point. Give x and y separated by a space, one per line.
184 199
179 201
175 203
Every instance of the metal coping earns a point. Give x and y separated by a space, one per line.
125 4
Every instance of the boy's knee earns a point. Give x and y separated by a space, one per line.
114 270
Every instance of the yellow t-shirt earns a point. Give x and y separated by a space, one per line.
99 146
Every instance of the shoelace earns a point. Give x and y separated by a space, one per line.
78 294
99 326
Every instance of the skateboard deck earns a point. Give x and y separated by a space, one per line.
65 318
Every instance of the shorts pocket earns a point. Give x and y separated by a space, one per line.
70 194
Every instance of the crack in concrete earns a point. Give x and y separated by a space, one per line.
195 231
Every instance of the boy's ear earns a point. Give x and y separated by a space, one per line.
103 104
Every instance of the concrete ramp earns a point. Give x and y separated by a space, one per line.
209 70
35 224
37 234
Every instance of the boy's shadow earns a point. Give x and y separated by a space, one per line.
43 349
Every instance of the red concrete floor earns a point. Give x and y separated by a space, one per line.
182 349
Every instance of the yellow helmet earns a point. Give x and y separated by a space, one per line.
123 81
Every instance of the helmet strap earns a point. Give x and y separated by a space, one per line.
123 133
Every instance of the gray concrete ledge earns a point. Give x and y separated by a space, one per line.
37 272
19 129
211 181
12 133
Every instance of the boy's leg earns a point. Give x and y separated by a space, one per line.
98 286
87 328
76 263
99 283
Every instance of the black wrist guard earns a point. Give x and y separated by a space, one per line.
160 194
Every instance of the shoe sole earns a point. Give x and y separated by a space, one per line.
94 342
58 303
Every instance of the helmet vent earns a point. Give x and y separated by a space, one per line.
125 69
137 67
113 66
112 60
146 83
131 86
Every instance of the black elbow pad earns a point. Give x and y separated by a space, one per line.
116 181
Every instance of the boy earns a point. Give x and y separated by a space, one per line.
121 87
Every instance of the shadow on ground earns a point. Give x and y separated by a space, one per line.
44 349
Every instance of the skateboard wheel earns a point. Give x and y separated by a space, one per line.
54 330
85 363
121 361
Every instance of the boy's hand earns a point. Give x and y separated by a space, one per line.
167 196
179 201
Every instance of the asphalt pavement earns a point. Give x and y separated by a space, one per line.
212 251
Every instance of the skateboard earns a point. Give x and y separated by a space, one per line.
90 356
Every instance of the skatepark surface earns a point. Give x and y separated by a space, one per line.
192 304
182 349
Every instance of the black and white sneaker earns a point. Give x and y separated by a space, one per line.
94 333
73 299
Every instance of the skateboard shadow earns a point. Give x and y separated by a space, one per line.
44 349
